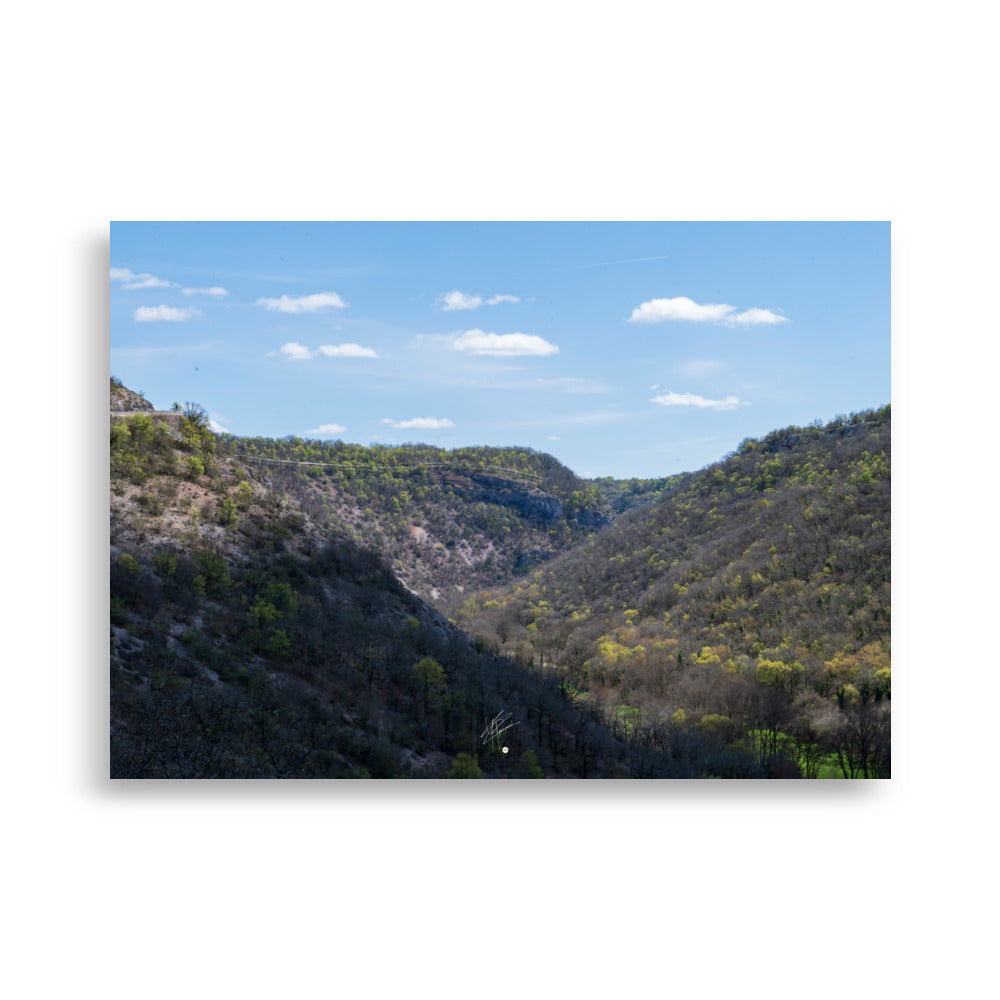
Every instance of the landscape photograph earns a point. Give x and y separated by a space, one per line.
509 534
500 500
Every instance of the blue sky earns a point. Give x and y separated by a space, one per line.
624 349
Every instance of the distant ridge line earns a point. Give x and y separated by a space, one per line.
347 465
415 465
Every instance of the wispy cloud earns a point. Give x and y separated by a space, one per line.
453 301
459 300
758 317
327 430
685 310
299 352
296 352
304 303
168 314
216 291
419 423
690 399
507 345
573 386
132 280
216 423
592 419
699 368
347 351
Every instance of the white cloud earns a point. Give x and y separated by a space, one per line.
304 303
554 437
681 309
216 291
685 310
459 300
148 281
215 423
299 352
347 351
419 423
132 280
328 430
690 399
506 345
758 317
296 352
152 314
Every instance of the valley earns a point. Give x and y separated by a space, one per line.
302 608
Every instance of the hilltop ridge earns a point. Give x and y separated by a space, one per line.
125 400
447 521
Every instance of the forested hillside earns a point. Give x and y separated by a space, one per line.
752 601
267 617
448 522
249 639
627 494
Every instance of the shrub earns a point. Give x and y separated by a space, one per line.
225 511
528 766
465 766
130 564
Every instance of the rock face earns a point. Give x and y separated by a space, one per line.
530 559
530 503
526 501
123 400
591 519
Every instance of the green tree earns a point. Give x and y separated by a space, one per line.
279 645
432 678
226 511
465 766
528 766
130 564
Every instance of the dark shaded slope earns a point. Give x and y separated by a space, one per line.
249 640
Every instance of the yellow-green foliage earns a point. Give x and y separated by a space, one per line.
708 655
850 694
774 673
129 563
717 725
883 678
